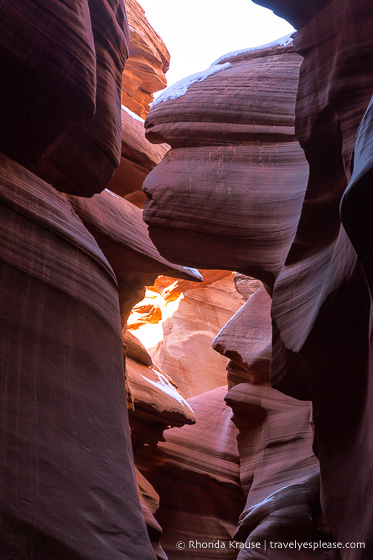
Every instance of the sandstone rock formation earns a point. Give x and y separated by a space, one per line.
143 75
123 237
235 192
185 350
157 404
46 85
234 131
65 450
82 159
68 487
322 275
196 473
356 202
278 471
149 500
321 305
295 11
138 156
247 341
147 64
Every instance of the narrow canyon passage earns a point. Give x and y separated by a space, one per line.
185 288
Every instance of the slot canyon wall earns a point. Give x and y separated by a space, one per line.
238 191
71 270
249 421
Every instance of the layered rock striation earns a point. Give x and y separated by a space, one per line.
68 483
147 64
185 349
231 132
118 227
317 266
196 474
66 452
138 157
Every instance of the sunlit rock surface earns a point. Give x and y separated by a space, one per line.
122 235
321 306
229 192
68 489
157 403
185 350
147 64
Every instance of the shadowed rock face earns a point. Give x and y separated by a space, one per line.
233 182
118 228
321 306
275 438
324 335
138 157
356 205
196 474
82 159
48 85
62 352
66 466
297 12
276 462
247 341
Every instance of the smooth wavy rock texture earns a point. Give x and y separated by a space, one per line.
138 156
185 350
82 160
135 350
357 201
275 440
321 301
285 525
66 451
231 187
47 84
196 474
149 500
246 285
122 235
147 64
158 404
246 340
276 461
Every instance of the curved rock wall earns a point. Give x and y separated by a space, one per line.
65 451
196 473
324 336
68 488
230 131
185 350
223 211
147 63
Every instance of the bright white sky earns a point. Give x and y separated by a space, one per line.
197 32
